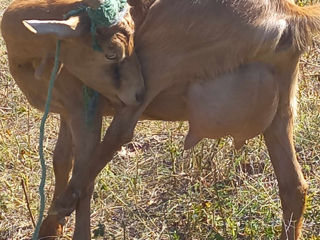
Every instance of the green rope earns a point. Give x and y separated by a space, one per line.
110 12
90 99
41 138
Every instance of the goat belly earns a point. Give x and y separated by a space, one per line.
241 104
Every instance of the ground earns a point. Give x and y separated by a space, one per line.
155 190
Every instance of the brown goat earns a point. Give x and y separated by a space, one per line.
228 67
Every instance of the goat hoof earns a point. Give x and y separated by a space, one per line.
51 228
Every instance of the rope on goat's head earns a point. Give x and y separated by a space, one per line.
109 13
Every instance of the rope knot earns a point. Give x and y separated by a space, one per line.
108 13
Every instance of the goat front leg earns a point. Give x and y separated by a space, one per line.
62 165
85 138
119 132
292 185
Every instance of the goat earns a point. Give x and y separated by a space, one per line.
192 54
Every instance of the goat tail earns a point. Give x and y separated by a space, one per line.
303 22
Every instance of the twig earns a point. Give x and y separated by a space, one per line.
28 204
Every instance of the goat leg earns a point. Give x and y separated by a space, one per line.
85 139
119 133
292 185
62 165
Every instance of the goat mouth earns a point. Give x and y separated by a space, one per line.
117 102
133 99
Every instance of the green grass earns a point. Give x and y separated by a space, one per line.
155 190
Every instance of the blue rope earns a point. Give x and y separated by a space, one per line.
41 139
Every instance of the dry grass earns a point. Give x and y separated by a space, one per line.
155 190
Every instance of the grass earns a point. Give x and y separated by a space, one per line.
155 190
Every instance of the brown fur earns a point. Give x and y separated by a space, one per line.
181 43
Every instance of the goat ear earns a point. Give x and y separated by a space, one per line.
62 29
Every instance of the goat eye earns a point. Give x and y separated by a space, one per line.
111 56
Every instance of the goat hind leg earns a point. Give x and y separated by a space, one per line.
292 185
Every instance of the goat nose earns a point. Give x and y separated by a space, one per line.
140 96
